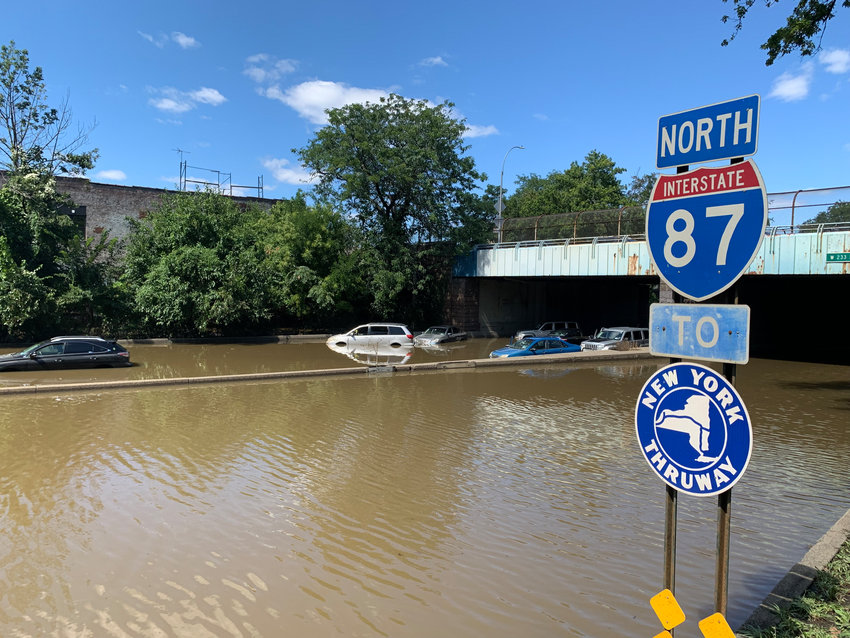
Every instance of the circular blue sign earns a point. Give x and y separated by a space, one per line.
693 429
704 227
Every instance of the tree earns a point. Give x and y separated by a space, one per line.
52 278
399 168
838 212
311 257
33 135
194 267
808 19
591 185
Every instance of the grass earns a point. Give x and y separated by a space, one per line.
822 612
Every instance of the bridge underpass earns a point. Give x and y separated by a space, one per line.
795 287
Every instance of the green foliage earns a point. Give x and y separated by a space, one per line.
808 19
591 185
194 268
25 298
35 137
399 168
838 212
824 609
53 280
202 265
309 252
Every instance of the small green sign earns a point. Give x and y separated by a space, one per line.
837 257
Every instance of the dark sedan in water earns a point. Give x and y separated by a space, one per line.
67 352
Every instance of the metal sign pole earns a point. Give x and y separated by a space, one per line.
724 504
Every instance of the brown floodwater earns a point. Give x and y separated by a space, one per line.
501 502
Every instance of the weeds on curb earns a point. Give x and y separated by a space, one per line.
822 612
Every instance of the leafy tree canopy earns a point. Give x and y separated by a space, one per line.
399 168
591 185
398 165
807 21
35 136
838 212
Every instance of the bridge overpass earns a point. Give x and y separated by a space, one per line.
796 285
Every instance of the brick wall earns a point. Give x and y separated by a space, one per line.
108 205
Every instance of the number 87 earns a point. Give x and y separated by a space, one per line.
685 235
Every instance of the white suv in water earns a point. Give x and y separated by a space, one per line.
619 338
374 334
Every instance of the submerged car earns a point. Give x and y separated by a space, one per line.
436 335
568 330
61 353
619 338
534 346
374 334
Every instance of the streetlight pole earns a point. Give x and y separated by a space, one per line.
501 179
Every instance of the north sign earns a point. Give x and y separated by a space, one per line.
719 131
693 429
704 227
704 332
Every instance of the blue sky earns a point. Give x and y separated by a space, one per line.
235 86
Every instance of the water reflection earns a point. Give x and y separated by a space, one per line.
502 502
375 355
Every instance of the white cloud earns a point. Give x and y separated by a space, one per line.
184 41
113 175
311 99
171 100
181 39
266 69
792 88
283 172
435 61
208 96
836 60
473 130
151 39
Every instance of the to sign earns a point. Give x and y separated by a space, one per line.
719 131
700 331
693 429
704 227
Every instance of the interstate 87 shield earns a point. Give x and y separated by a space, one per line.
704 227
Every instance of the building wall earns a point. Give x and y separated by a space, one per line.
107 206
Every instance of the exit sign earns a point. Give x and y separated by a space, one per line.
837 257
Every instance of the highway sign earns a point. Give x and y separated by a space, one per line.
840 257
704 227
718 131
700 331
693 429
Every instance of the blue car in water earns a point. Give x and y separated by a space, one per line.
533 346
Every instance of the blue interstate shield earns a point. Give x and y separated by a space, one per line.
693 429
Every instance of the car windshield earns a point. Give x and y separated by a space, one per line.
522 344
608 335
435 331
34 347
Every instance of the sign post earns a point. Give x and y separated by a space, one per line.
703 228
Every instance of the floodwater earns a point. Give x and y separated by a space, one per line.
501 502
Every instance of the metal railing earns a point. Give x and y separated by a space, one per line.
784 210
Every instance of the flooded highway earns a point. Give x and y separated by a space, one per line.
491 502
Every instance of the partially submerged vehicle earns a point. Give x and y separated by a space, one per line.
534 346
371 334
61 353
618 338
437 335
567 330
